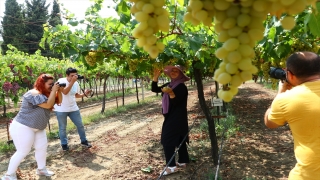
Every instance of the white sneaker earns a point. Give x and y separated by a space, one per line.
9 177
44 172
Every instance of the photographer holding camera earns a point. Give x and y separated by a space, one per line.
298 104
28 127
69 108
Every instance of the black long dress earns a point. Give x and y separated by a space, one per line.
175 124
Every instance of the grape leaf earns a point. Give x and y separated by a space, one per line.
148 169
73 22
195 42
314 23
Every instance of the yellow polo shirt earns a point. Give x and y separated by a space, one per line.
300 108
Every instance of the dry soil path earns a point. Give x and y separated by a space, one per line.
121 146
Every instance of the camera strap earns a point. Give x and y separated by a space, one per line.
91 92
83 90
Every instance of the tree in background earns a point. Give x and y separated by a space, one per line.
55 16
36 16
54 20
13 27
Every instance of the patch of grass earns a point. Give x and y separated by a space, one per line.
228 123
267 85
7 147
53 134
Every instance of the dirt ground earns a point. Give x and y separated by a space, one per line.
126 143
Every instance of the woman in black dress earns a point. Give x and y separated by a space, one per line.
174 110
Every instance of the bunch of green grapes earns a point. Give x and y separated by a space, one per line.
133 63
158 65
315 47
239 25
274 83
92 58
265 67
256 63
299 45
172 61
288 7
152 17
200 11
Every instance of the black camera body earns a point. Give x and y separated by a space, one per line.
80 77
62 84
277 73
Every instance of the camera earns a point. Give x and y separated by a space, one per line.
80 77
277 73
62 84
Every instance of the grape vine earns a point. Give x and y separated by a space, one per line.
231 28
239 25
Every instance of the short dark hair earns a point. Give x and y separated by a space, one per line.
304 64
71 70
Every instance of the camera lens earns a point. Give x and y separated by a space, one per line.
80 77
277 73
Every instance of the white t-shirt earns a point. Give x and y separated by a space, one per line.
69 103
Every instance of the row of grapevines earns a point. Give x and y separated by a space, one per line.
20 70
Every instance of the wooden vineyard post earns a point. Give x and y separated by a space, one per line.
7 122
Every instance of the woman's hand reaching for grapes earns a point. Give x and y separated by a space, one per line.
156 74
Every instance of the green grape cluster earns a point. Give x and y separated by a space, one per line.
91 60
94 57
133 64
152 17
265 67
274 83
158 65
200 11
299 45
239 25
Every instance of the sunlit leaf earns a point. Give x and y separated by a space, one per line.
314 23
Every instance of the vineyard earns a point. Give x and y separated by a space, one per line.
230 41
227 40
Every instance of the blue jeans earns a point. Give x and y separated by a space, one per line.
77 121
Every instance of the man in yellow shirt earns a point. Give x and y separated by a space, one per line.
298 104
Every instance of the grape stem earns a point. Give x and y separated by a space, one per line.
174 19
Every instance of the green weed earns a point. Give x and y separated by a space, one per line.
6 147
53 135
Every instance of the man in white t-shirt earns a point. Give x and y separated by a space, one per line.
69 108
